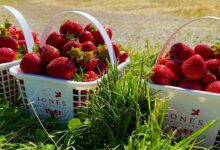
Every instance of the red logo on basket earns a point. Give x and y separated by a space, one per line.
195 112
57 94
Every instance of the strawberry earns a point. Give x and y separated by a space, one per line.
213 66
19 35
9 43
90 27
101 67
71 27
217 56
56 40
181 51
208 78
68 46
216 49
162 75
213 87
194 68
164 59
31 63
204 50
88 46
189 84
35 37
61 67
116 49
49 53
91 76
98 37
7 55
7 29
123 56
86 36
89 61
175 67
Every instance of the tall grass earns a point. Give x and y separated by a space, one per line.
123 114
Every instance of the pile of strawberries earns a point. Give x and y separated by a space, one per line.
185 67
12 42
74 53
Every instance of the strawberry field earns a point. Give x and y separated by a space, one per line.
121 111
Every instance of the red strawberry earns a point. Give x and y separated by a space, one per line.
164 59
86 36
204 50
7 29
98 37
7 55
213 66
12 30
89 61
91 76
31 63
123 56
68 46
56 40
19 35
90 27
88 46
194 68
208 78
61 67
49 53
101 67
71 27
213 87
189 84
116 49
175 67
162 75
181 51
217 56
9 43
35 37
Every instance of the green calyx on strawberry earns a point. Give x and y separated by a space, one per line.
7 29
89 61
216 49
88 76
76 54
90 27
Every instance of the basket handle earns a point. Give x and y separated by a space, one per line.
99 26
163 49
24 26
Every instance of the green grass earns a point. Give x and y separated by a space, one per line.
123 114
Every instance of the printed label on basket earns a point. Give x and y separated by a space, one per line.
50 101
186 118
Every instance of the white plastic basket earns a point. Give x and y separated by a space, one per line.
190 110
8 86
56 97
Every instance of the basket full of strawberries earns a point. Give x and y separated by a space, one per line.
190 78
14 43
66 69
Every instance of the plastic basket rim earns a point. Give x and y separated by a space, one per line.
181 90
19 75
8 64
